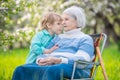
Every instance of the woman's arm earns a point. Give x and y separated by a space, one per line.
85 51
49 61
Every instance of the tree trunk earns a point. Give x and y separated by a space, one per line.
95 27
109 28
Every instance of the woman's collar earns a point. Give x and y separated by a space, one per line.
76 33
73 31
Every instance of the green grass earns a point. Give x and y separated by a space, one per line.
111 58
11 59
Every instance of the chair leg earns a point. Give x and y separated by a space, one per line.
73 72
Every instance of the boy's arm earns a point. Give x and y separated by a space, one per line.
52 46
36 48
36 45
53 42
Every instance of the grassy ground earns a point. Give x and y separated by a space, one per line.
10 59
111 58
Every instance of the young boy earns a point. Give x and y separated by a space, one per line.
51 25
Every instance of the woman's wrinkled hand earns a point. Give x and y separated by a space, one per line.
49 61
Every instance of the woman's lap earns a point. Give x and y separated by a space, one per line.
51 72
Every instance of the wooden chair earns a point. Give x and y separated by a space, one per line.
99 43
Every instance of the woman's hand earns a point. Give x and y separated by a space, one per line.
49 61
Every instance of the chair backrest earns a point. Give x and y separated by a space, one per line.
99 44
103 39
99 41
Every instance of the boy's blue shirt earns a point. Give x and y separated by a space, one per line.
38 45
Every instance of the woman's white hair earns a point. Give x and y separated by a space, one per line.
78 14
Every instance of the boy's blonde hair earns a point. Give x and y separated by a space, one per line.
50 18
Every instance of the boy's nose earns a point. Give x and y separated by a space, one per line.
63 22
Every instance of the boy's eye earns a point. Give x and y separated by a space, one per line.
58 23
66 19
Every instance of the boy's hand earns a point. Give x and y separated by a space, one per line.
48 51
54 48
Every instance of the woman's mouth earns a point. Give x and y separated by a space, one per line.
65 26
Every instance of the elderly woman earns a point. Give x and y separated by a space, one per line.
73 45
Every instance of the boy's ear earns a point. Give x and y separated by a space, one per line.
48 25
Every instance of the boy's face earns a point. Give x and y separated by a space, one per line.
57 27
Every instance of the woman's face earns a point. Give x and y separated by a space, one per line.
69 22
